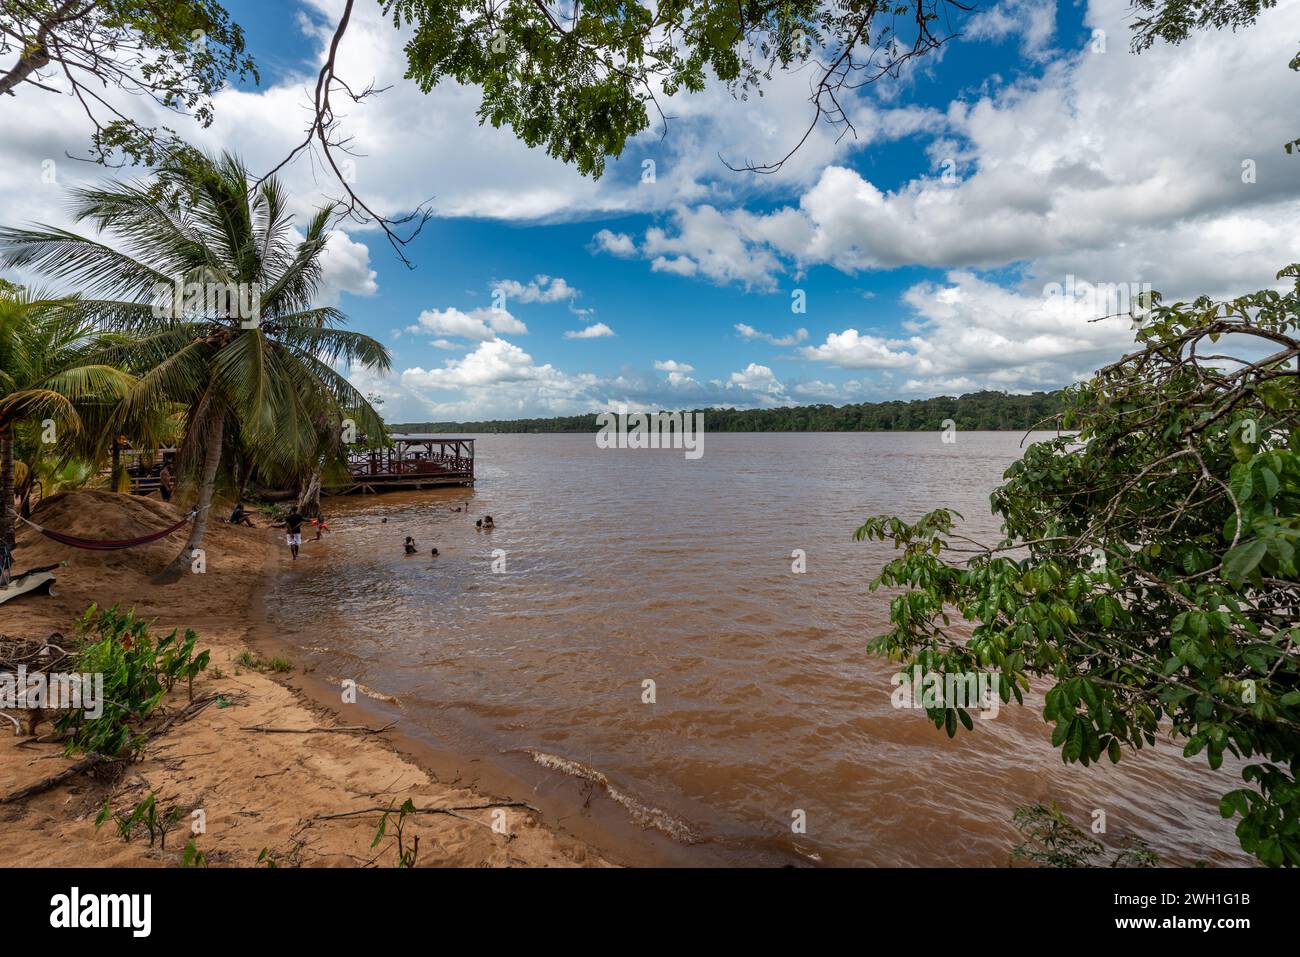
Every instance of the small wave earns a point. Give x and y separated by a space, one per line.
809 854
642 814
369 692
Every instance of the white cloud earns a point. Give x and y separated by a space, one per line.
345 267
714 245
760 380
498 379
672 365
480 324
1033 20
412 148
852 350
540 289
616 244
595 331
494 362
677 265
1111 166
969 333
749 333
818 391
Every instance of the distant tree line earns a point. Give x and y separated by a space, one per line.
981 411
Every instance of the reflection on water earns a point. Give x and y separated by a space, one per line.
621 566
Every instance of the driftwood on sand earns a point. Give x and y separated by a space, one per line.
346 729
92 760
443 809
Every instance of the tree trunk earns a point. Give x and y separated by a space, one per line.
37 59
8 517
309 492
207 485
37 55
24 493
309 496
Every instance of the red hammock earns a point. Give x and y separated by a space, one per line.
108 545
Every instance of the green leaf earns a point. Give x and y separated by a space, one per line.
1242 560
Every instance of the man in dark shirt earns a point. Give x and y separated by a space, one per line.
293 525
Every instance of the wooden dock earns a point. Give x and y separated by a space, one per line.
409 462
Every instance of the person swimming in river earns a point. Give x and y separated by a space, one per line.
488 523
410 545
435 553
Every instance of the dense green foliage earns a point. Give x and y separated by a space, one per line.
1173 21
981 411
1148 570
175 53
201 268
49 373
582 79
138 671
1052 840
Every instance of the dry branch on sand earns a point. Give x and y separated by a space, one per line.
347 729
448 809
93 760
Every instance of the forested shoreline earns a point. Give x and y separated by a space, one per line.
977 411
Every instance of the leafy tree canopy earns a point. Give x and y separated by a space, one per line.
580 79
177 53
1148 574
1174 20
982 411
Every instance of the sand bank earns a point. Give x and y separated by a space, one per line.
258 791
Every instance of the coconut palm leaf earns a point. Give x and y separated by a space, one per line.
264 384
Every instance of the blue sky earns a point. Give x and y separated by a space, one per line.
1033 148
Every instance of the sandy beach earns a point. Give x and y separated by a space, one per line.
268 794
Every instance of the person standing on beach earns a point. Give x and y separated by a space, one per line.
293 527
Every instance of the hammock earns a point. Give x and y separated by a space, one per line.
107 545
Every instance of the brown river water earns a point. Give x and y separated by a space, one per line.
622 566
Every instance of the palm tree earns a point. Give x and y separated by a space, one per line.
48 370
201 266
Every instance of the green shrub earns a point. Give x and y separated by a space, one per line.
138 671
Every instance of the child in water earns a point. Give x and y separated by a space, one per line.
410 545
